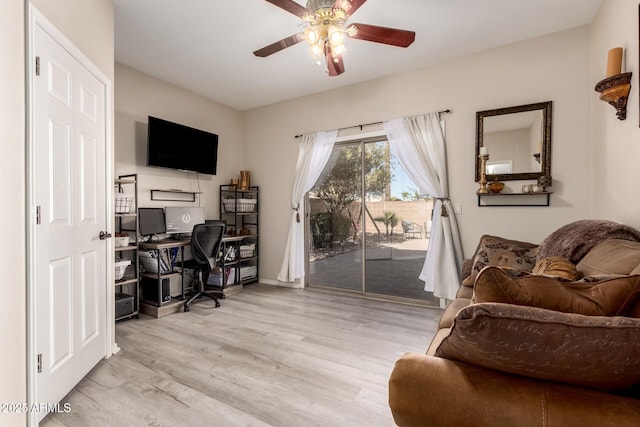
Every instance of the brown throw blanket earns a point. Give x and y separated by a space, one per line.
573 241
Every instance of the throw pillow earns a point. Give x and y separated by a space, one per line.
493 250
588 351
613 297
612 256
557 267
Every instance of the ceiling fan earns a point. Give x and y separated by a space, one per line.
326 28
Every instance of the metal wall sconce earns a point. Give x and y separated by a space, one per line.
615 91
615 88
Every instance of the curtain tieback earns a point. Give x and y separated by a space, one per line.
443 211
297 209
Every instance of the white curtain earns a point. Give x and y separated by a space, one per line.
313 155
418 144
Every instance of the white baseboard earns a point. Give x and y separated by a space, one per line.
294 285
114 349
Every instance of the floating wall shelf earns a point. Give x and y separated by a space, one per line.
514 199
174 195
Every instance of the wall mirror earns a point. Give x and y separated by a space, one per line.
518 140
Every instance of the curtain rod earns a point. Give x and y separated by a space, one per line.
447 111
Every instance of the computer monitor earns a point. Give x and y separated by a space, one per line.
151 221
180 220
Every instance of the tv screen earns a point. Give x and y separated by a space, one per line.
151 221
175 146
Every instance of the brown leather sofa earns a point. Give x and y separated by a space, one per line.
522 349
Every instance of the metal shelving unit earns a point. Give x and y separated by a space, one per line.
240 209
127 288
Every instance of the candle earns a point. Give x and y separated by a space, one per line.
614 62
484 151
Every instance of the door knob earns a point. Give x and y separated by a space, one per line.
104 235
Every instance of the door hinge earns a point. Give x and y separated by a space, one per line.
38 217
37 65
39 363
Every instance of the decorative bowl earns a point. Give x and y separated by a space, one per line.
496 186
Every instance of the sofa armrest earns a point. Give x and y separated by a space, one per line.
431 391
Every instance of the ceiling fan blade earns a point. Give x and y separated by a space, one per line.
335 65
291 7
279 45
349 6
374 33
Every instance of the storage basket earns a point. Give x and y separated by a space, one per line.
149 260
246 251
123 203
243 205
121 241
120 268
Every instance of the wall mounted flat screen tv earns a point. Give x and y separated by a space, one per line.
175 146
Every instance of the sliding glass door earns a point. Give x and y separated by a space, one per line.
336 246
369 226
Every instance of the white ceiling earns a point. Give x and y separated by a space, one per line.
206 45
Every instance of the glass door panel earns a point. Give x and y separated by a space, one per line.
397 225
372 242
335 247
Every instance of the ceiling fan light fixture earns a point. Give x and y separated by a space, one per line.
317 49
314 5
311 35
325 29
340 49
335 35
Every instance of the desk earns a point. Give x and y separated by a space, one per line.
161 303
154 270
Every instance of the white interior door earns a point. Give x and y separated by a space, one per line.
70 275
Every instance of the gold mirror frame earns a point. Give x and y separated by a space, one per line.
545 155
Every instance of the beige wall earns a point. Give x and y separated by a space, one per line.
138 96
13 377
555 67
615 144
89 25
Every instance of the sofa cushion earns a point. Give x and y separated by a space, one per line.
589 351
446 320
437 339
556 267
612 256
613 297
465 292
493 250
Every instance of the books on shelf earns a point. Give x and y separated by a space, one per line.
222 277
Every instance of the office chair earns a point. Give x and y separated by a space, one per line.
205 244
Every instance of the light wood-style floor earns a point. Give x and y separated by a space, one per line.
269 356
